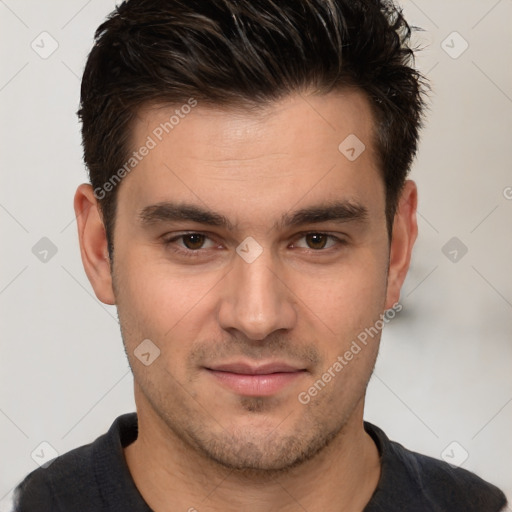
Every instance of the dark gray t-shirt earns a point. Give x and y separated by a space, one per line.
95 478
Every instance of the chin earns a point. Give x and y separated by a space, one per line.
250 454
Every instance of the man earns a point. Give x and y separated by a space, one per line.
250 217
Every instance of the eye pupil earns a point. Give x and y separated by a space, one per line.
196 239
315 239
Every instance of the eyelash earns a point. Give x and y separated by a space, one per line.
190 253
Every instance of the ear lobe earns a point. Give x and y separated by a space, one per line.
93 243
405 232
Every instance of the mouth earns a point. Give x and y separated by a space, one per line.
255 380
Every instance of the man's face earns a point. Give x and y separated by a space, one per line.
249 315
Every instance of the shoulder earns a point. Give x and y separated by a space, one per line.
414 481
47 487
74 477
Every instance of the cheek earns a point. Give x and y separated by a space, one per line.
145 287
165 303
350 298
158 302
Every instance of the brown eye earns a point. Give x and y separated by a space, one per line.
316 240
193 241
190 245
320 242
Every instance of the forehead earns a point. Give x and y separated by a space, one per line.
307 119
315 146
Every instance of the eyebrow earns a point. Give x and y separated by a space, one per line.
333 211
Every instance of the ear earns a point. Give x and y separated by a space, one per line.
405 231
93 243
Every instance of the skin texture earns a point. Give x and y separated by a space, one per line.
302 301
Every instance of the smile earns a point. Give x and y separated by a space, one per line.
251 380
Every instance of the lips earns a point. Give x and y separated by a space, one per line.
255 379
264 369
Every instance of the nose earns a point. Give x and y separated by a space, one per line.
255 299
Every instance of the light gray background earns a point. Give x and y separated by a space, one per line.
444 371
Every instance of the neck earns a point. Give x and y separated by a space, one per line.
172 475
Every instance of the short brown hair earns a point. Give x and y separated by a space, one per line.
229 52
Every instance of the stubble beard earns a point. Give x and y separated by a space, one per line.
252 455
